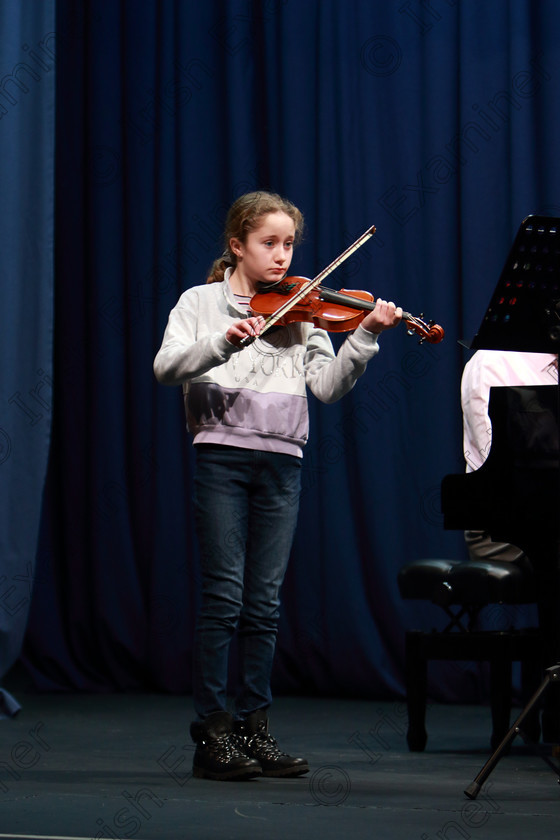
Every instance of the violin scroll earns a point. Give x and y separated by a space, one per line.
430 331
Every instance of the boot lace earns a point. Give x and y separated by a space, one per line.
225 747
262 744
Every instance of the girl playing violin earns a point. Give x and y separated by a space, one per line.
246 409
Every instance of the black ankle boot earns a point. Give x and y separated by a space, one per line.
218 753
256 742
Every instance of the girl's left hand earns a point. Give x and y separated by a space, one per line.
385 316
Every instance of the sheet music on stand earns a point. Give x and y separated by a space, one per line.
524 311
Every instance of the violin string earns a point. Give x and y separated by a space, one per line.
360 303
428 332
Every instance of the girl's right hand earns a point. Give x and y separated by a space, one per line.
241 329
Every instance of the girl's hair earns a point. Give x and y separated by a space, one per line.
244 216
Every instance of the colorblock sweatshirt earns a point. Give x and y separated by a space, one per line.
255 397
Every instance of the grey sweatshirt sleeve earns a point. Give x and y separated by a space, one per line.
184 355
330 377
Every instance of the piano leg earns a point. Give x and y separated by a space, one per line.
532 670
500 693
545 557
520 646
416 689
549 611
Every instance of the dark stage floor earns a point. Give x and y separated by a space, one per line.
119 766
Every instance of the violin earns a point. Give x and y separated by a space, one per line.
302 299
331 310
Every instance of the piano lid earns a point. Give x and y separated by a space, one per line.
524 311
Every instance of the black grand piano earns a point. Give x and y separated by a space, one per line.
515 495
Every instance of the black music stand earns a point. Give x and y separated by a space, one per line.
524 315
524 311
472 791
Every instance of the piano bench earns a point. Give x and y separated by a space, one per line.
462 589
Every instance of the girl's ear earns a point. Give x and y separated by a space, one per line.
236 247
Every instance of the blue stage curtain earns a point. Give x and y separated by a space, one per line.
436 122
27 94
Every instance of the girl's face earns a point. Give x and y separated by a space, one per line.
266 255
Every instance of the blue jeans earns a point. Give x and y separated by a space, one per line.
246 506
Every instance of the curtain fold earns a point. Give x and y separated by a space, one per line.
437 123
27 103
